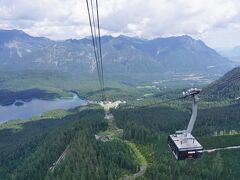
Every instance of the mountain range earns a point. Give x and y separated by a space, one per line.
233 54
122 54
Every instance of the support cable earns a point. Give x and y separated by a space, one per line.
100 46
96 41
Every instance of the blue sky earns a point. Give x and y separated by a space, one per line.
216 22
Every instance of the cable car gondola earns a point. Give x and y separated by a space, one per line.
183 144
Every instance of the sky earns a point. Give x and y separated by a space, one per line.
216 22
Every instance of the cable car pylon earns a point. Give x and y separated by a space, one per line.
182 143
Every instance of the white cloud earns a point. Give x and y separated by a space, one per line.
60 19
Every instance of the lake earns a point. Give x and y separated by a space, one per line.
36 107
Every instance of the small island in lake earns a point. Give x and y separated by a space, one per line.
19 103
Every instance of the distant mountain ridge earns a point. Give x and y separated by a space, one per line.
233 54
121 54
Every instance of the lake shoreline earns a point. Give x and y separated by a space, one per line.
9 97
21 109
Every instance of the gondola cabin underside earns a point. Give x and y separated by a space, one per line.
185 146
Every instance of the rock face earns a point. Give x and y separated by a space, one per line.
121 54
105 138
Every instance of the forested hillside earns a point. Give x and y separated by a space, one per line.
29 149
227 87
149 127
61 144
